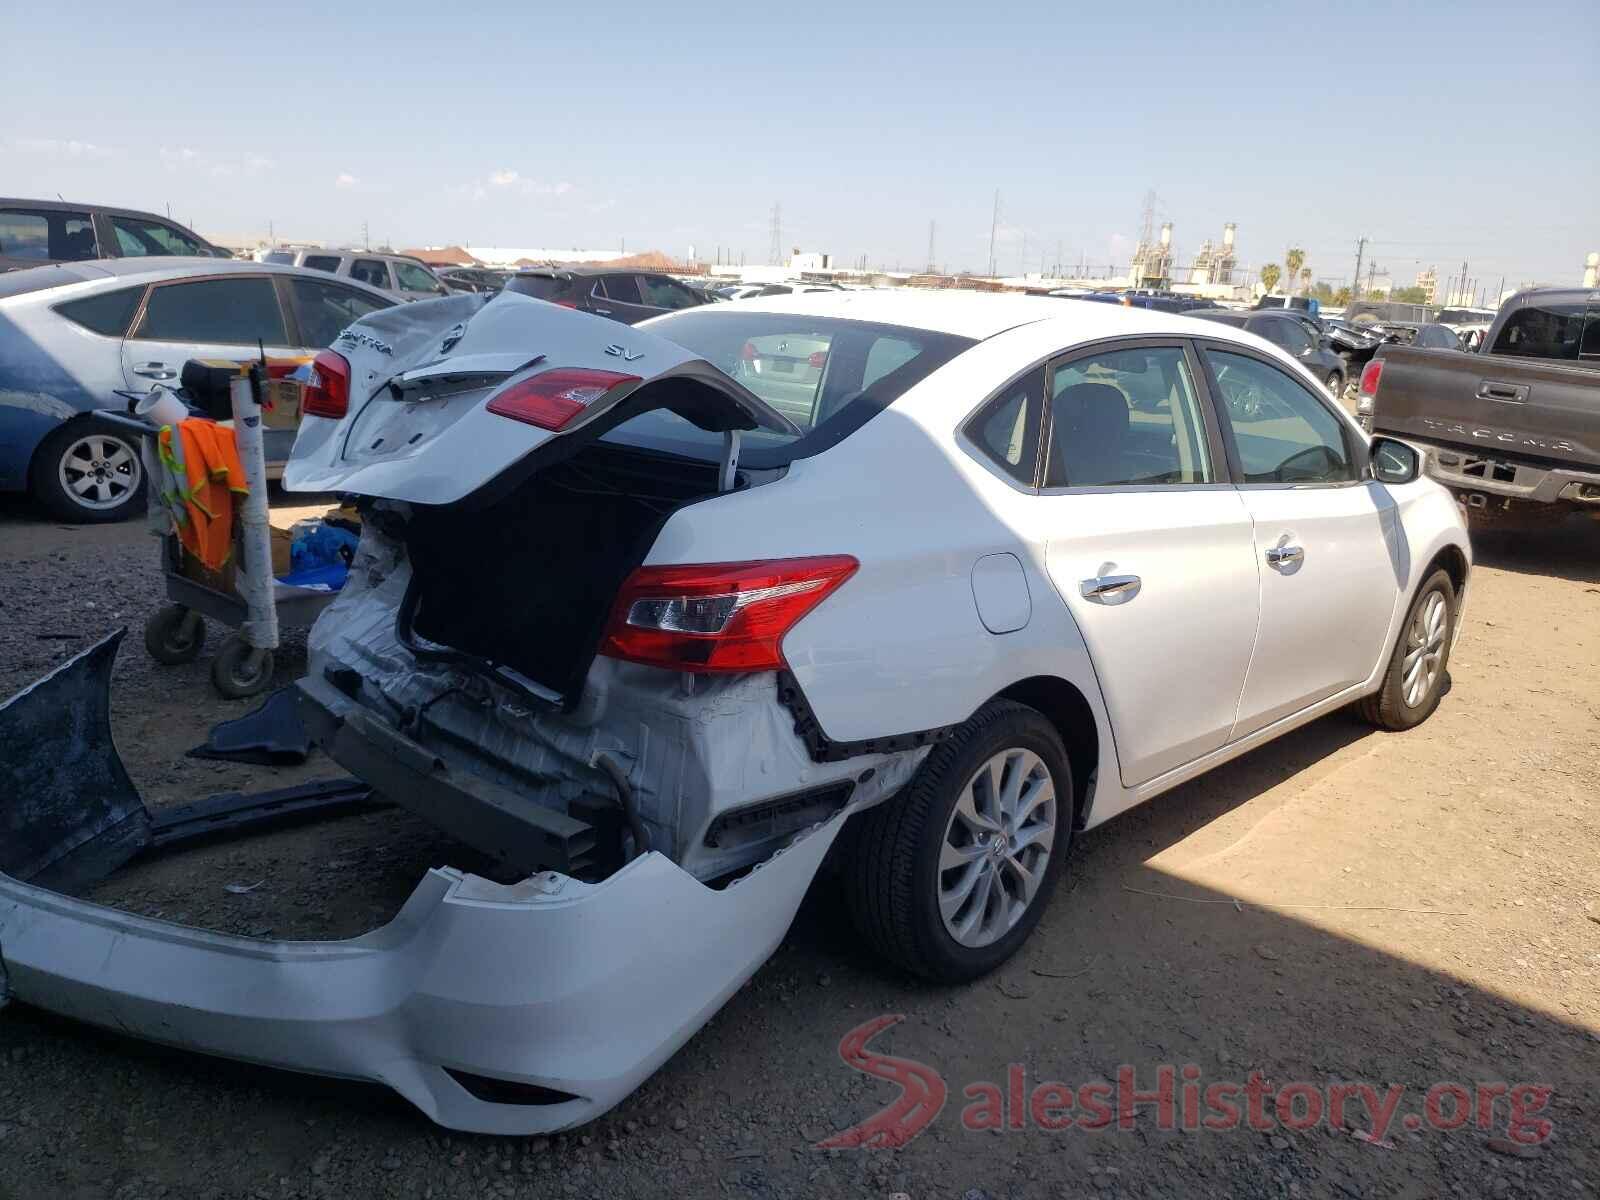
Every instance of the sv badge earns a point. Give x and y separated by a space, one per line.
623 353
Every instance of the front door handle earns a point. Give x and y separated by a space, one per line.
1111 589
155 370
1285 556
604 312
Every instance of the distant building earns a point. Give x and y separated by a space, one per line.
532 256
1428 281
1215 264
1152 262
811 260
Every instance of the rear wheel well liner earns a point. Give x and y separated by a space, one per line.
1065 707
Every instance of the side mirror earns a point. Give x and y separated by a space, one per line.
1394 462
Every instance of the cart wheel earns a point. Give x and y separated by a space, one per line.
174 634
232 671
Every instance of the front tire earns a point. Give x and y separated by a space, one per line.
88 477
948 879
1419 666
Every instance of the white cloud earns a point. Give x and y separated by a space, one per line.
62 148
507 178
218 166
346 180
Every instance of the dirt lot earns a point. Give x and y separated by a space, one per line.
1339 906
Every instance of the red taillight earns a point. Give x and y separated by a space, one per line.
818 359
565 303
748 352
1370 375
551 399
718 616
327 393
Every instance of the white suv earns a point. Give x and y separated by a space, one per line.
402 277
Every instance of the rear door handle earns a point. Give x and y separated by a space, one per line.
1506 393
604 312
1285 556
155 370
1111 589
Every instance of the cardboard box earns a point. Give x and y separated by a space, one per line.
282 541
281 409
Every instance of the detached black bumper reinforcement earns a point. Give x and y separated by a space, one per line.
822 749
492 819
237 812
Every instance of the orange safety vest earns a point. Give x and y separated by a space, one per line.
209 476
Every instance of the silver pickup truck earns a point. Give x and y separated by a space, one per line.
1512 429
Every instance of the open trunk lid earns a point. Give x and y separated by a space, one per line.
423 378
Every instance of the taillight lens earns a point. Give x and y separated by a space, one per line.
327 391
818 359
1370 375
747 352
719 616
552 399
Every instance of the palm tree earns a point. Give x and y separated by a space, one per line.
1270 274
1294 258
1305 280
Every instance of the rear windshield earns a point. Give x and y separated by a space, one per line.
1542 331
827 375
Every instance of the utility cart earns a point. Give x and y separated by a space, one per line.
244 595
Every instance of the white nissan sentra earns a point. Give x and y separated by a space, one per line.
658 616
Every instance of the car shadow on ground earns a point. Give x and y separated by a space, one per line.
1568 550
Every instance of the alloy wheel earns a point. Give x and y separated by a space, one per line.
996 847
99 472
1425 648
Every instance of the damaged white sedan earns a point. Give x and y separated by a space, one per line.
657 617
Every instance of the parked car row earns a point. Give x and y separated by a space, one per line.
35 233
81 336
399 275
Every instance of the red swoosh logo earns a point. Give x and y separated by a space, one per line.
922 1092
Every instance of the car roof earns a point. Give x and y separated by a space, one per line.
976 315
70 206
152 269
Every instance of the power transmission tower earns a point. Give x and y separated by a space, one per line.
1147 219
933 268
1355 280
994 224
775 251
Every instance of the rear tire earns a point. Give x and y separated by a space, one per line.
88 477
951 895
1419 666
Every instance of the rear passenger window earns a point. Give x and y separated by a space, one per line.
216 311
664 293
624 289
46 236
1126 417
107 314
370 271
1007 430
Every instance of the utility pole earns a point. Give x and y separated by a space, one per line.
272 238
1372 269
1355 283
1463 279
994 223
932 269
775 249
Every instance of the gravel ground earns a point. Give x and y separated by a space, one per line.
1340 905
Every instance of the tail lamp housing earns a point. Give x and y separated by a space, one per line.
718 617
553 399
327 391
1371 374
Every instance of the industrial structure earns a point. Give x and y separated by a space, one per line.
1428 281
1152 261
1215 264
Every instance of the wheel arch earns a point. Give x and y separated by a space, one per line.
1454 561
1068 709
77 420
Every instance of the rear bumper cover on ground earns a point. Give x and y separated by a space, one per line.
500 1009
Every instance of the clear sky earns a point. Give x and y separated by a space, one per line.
1442 131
